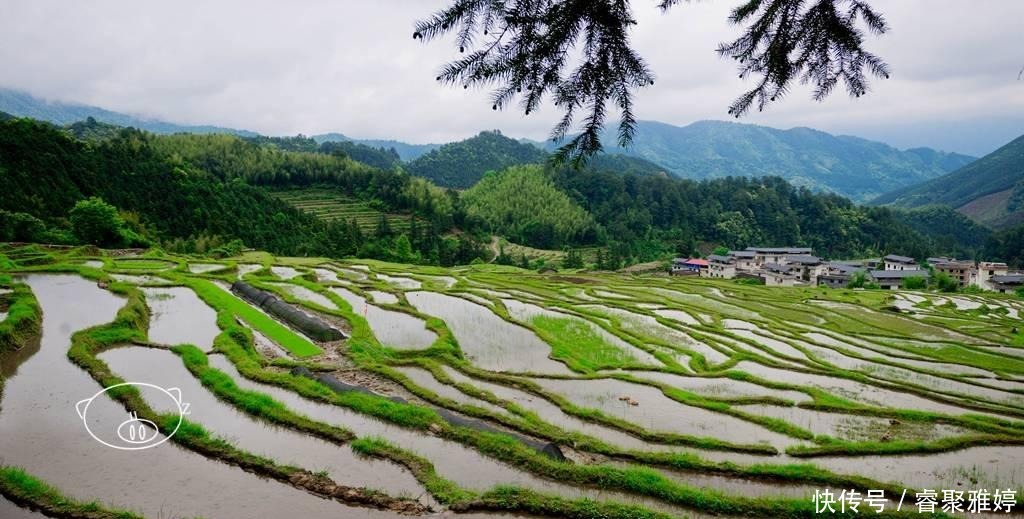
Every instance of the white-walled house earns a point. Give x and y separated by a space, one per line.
987 271
897 262
721 267
775 266
763 255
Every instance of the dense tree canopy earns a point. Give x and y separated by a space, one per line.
578 53
206 193
96 222
461 164
646 216
193 192
523 204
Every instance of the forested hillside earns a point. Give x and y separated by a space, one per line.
377 157
405 150
645 214
989 190
522 204
196 191
951 232
850 166
461 164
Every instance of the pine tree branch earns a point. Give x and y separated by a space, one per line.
578 54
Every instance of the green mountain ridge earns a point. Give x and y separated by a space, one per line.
989 190
851 166
522 204
461 164
189 192
406 151
857 168
22 104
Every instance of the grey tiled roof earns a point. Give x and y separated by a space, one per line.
1008 279
955 265
775 267
742 253
720 259
898 274
898 259
804 259
781 250
845 268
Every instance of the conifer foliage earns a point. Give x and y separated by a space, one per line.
578 52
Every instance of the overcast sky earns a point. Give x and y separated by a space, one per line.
315 66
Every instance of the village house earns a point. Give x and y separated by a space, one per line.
893 279
897 262
1006 283
721 267
964 272
688 266
774 266
745 259
967 273
808 268
987 270
777 275
763 255
839 273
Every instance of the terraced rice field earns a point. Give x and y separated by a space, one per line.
330 206
515 250
490 390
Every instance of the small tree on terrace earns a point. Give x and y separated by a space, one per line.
858 280
96 222
944 282
574 260
914 283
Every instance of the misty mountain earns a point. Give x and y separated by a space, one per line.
989 190
22 104
405 150
857 168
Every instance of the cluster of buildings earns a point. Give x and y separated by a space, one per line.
792 266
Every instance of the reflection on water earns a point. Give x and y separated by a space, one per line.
487 340
40 431
165 369
178 316
655 411
395 329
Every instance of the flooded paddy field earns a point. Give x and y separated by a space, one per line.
685 397
178 316
396 329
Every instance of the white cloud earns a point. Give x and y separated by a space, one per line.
314 66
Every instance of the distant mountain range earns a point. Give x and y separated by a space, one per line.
850 166
857 168
462 164
405 150
989 190
22 104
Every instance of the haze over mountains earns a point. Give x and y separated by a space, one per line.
856 168
23 104
989 190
